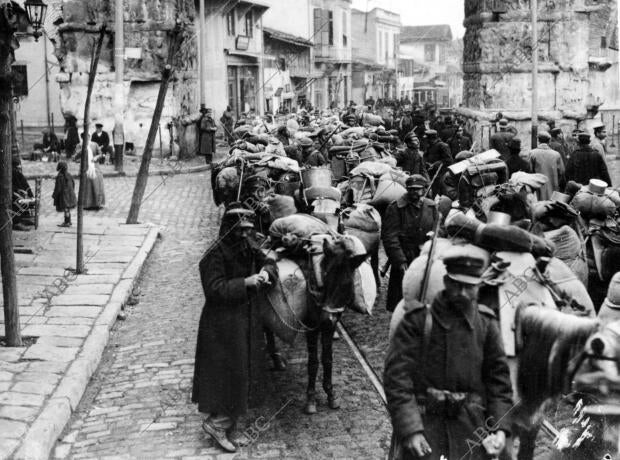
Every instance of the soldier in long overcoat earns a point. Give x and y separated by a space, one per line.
206 134
406 223
446 376
229 365
437 156
410 159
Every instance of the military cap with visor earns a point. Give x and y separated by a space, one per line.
238 216
416 181
466 264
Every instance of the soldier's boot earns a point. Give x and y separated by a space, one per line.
310 407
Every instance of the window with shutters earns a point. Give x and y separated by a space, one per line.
429 53
323 30
396 42
249 24
387 46
330 25
317 37
230 23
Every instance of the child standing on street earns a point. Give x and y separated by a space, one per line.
64 193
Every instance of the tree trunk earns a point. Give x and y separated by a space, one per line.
79 264
143 173
9 278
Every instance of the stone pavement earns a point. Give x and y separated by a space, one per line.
70 316
137 404
131 165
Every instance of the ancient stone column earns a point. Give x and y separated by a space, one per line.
497 63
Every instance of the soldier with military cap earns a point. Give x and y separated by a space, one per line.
515 162
229 364
446 379
406 223
410 159
585 163
437 156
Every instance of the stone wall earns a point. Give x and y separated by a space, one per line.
497 62
148 26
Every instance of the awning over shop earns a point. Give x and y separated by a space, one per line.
236 57
287 38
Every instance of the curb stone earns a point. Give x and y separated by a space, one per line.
40 438
170 172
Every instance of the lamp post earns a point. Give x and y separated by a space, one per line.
36 10
11 16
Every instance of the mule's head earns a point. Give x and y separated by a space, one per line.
340 261
602 376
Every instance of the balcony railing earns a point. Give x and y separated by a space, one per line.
332 53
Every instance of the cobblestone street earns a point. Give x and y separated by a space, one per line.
137 404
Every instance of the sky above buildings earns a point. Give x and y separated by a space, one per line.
421 12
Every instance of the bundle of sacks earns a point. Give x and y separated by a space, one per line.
246 159
595 200
376 183
300 238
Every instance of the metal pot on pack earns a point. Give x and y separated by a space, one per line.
597 186
317 177
499 218
287 183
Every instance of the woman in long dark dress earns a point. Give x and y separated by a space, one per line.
229 366
94 192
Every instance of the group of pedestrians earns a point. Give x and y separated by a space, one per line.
97 149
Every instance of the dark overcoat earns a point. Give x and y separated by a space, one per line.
64 192
229 370
584 164
465 354
404 229
411 162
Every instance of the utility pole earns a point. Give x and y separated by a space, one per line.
7 263
534 5
147 154
118 133
79 264
202 41
47 84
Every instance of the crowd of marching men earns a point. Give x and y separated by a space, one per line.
395 181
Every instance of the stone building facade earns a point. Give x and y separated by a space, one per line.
147 30
331 20
497 62
375 54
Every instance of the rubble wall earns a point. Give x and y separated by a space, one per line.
148 24
497 63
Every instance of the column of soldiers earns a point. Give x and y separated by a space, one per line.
446 375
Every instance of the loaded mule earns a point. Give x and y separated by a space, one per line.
321 273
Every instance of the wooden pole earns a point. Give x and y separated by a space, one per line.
534 73
7 263
47 84
202 47
143 173
118 134
79 264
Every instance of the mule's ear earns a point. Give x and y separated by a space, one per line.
358 260
327 248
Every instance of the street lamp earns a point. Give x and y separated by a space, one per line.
35 10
